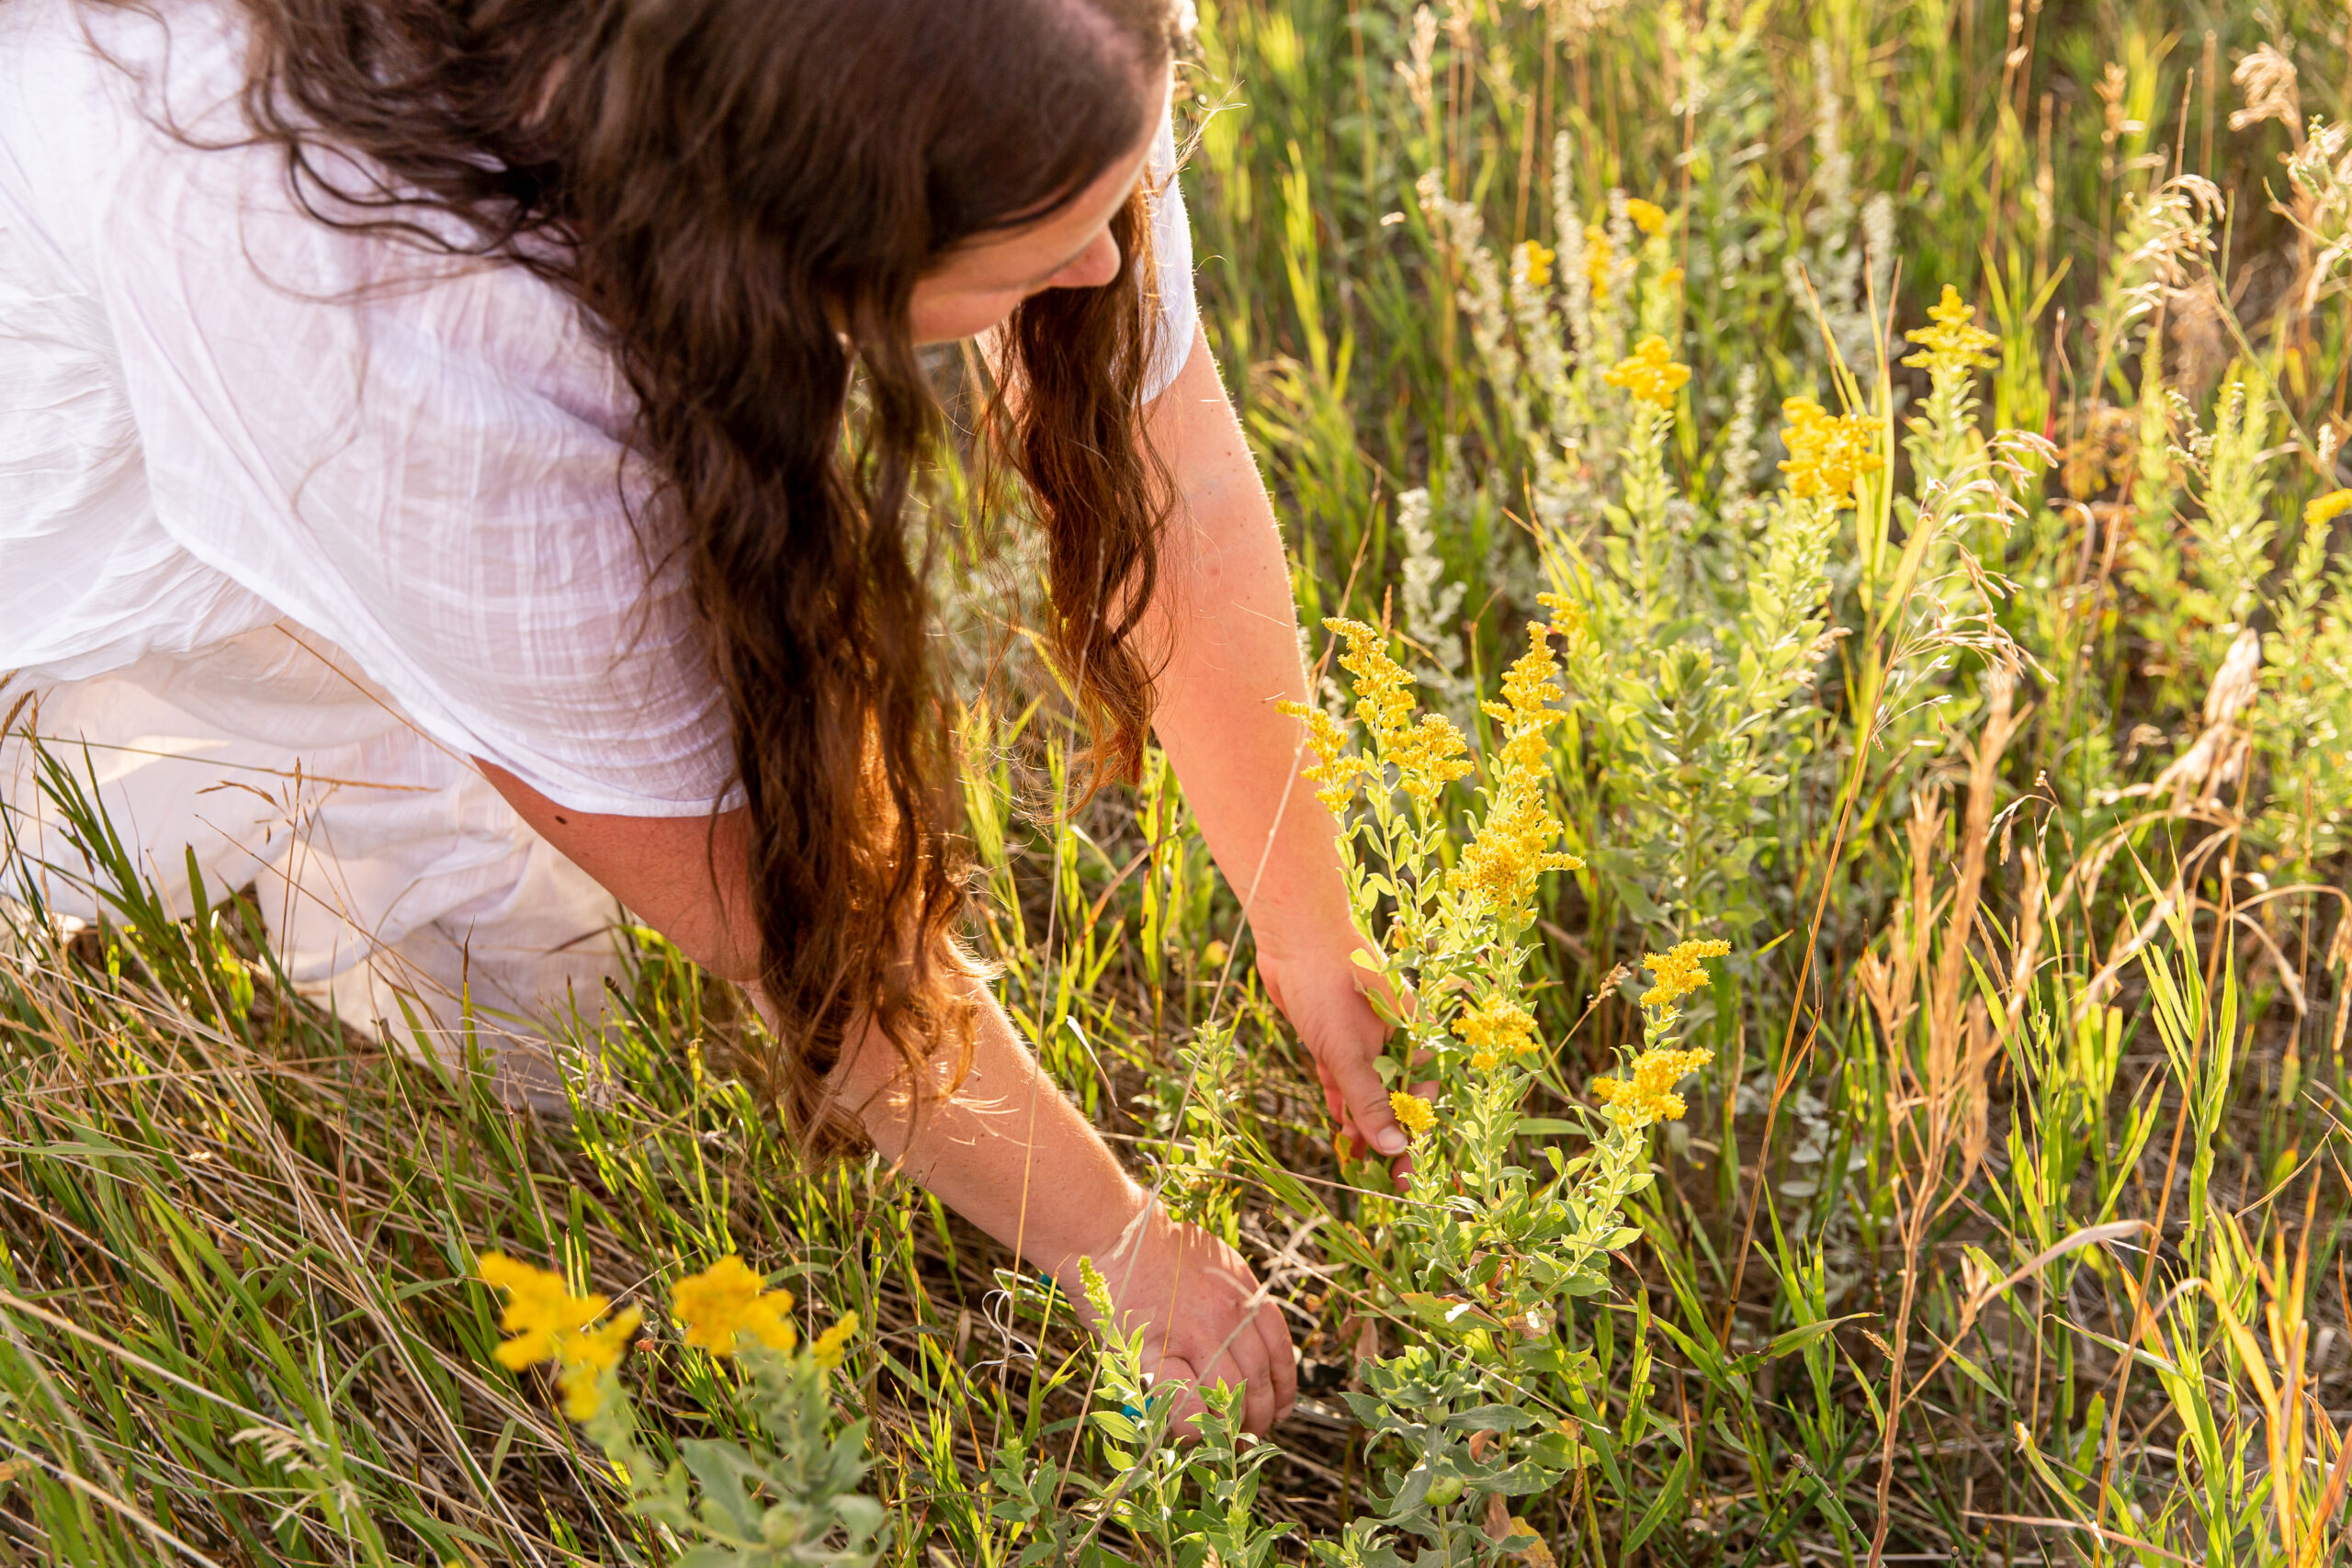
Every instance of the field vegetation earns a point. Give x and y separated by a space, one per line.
1822 533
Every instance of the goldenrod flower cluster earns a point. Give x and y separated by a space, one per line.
550 1324
1427 750
1431 757
831 1345
2323 510
1534 263
1955 342
1335 768
1383 687
1827 453
1568 616
1646 1094
1513 845
726 1299
1497 1030
1598 254
1679 971
1413 1114
1651 375
1647 216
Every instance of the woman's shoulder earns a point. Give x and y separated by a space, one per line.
130 173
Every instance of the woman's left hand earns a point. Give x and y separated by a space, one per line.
1324 993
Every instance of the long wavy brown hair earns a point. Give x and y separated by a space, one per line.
741 195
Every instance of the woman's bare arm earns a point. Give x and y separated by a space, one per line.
1229 629
1006 1151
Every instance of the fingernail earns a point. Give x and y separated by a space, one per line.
1390 1140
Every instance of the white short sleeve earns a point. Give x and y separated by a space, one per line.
420 459
1172 250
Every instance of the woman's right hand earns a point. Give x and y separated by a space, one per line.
1205 1318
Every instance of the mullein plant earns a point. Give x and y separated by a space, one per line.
1482 1249
789 1497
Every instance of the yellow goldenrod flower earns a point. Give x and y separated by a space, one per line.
1646 1094
1651 375
2324 510
1598 254
726 1299
1513 844
1430 756
1413 1114
1647 216
1671 277
1567 618
587 1356
1384 688
1334 768
1498 1028
1679 971
833 1343
1512 848
1955 342
541 1311
550 1324
1533 262
1827 453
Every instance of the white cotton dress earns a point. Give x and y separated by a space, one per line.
294 522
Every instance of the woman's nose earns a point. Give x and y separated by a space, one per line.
1095 266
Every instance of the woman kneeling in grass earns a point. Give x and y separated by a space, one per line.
430 497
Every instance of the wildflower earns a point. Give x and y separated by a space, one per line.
1598 254
1647 1093
1514 843
541 1313
1430 756
1534 263
588 1356
1383 687
1413 1114
725 1300
1647 216
2324 510
1954 343
1497 1030
1097 1290
1827 453
1679 971
833 1343
1567 618
1671 277
1512 846
1651 375
550 1324
1529 690
1333 768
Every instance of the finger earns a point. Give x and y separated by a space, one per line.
1244 1367
1280 1358
1177 1370
1367 1099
